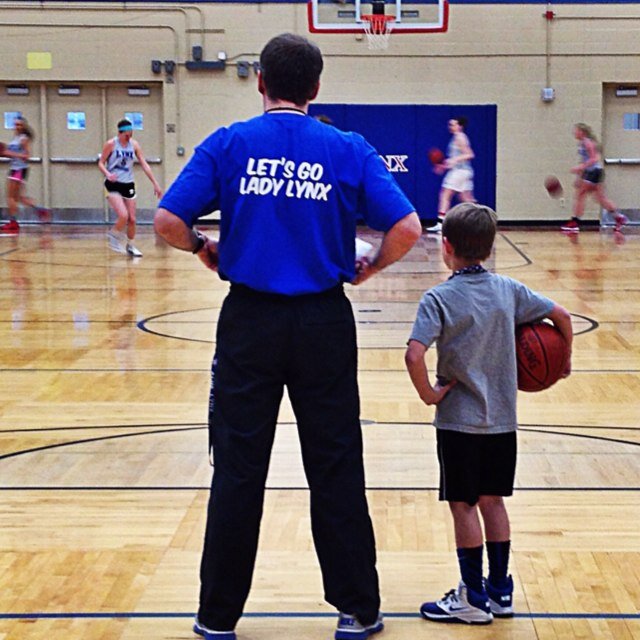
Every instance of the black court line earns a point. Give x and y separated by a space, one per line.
583 435
287 488
115 264
364 422
517 249
175 426
109 370
133 323
57 445
290 614
428 489
208 369
143 325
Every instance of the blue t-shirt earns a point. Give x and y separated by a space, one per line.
289 190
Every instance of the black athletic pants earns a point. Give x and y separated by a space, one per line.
307 343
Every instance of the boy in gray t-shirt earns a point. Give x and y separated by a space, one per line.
472 318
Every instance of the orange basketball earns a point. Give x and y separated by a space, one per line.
542 355
553 186
435 155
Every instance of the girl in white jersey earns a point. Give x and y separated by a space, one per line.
590 179
116 163
19 152
459 177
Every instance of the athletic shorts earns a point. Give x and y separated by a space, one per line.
473 465
594 175
458 180
126 189
19 175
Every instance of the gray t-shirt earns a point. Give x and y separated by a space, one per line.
472 319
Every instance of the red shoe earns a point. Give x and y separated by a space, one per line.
621 220
10 228
571 227
43 214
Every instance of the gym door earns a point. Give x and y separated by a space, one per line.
621 140
75 142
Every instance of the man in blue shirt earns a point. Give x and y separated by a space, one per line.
289 190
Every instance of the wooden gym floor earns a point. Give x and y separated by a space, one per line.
104 473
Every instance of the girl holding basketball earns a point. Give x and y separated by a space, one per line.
590 179
19 152
459 177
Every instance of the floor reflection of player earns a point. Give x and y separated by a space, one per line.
20 300
125 313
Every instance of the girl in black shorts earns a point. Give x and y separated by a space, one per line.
590 179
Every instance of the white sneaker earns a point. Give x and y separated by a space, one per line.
133 251
116 241
437 228
459 605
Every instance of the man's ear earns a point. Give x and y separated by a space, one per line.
261 87
315 91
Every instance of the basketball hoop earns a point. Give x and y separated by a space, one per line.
378 28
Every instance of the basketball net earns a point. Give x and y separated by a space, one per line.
378 29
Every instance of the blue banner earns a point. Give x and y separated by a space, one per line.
403 135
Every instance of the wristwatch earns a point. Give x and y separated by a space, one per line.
201 240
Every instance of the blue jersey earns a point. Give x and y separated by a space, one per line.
289 190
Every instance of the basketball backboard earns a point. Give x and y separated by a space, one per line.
404 16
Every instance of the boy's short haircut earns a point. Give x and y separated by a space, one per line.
471 230
462 121
291 66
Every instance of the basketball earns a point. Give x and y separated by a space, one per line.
435 155
541 353
553 186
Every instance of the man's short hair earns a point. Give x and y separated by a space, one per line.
471 230
291 68
461 120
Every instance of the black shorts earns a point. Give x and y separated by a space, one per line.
126 189
473 465
594 175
